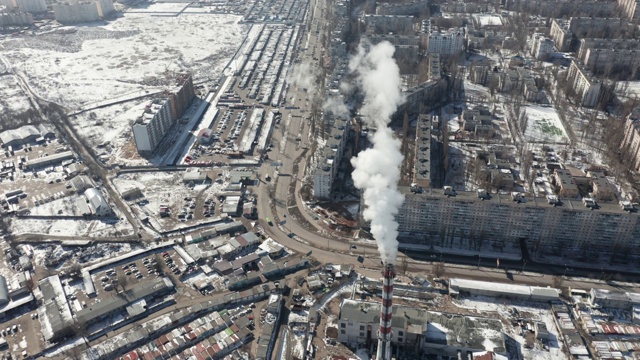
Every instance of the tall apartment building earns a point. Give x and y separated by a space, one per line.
162 113
31 6
15 18
82 11
631 141
549 226
562 8
435 70
542 47
413 8
587 87
606 44
153 125
630 9
450 42
610 61
593 27
422 170
329 159
385 24
560 34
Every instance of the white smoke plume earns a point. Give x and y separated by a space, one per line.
335 105
302 76
377 169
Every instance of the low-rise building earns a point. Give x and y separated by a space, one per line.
97 203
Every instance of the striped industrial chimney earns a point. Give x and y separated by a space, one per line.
384 334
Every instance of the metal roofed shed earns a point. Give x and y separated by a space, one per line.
4 291
195 176
48 160
484 288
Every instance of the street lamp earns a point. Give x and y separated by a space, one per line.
479 258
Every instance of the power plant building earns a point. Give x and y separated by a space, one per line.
161 114
420 331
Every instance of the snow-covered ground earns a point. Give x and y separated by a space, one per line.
70 227
529 311
80 65
544 125
44 254
163 188
12 99
108 130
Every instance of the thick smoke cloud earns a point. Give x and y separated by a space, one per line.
377 169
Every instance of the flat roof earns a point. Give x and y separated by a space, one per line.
50 159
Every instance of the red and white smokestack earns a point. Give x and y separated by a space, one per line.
384 334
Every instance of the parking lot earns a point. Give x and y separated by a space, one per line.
37 186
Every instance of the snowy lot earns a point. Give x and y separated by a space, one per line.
105 227
12 99
529 311
544 125
56 255
164 189
80 65
109 130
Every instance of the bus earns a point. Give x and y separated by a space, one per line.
269 221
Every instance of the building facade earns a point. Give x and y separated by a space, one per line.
329 159
450 42
15 18
587 87
82 11
560 34
546 226
631 141
630 9
422 171
153 125
31 6
542 47
161 114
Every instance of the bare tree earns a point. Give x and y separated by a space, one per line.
438 269
122 281
557 281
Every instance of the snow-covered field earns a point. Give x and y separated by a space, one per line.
109 130
60 227
80 65
544 125
530 311
13 100
58 254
